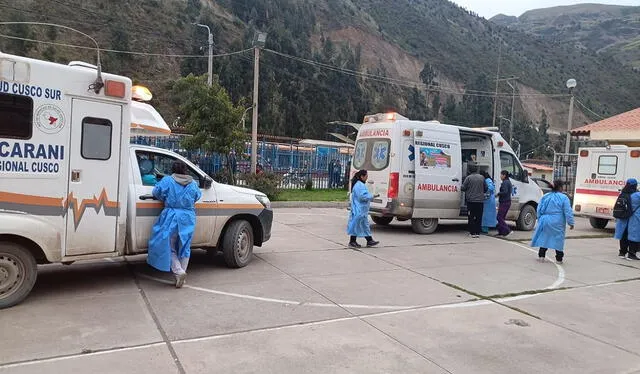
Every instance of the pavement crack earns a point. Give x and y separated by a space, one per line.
156 320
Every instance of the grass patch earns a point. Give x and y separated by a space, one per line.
313 195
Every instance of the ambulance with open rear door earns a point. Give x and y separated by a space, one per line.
417 169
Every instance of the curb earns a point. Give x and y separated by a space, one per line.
309 204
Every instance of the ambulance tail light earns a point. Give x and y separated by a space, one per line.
115 89
578 208
635 154
584 153
406 133
394 185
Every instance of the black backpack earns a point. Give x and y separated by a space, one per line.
622 208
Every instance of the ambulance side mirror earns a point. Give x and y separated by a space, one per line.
206 183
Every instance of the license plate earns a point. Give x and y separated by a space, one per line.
603 210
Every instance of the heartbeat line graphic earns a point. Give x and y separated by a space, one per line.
97 204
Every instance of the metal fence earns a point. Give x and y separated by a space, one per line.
564 168
295 163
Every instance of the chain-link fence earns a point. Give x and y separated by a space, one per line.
299 165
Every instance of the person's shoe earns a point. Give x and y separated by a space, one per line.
632 257
475 236
354 245
622 254
372 243
559 262
180 278
541 259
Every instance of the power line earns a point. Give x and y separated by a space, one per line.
123 52
407 83
591 111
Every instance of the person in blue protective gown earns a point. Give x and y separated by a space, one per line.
489 213
622 224
170 242
359 218
554 214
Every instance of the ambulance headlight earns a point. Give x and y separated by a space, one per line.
264 201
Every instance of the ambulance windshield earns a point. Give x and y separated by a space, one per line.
371 154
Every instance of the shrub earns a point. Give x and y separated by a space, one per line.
267 183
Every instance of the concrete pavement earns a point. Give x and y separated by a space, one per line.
443 303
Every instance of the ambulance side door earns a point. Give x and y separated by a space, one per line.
152 166
92 206
438 172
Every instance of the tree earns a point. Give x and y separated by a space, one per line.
210 117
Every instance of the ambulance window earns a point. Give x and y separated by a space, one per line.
96 139
608 165
510 163
360 154
380 154
16 113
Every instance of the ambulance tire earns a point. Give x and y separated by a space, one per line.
18 274
598 223
424 226
237 244
382 221
527 219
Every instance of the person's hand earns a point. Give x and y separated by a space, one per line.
571 227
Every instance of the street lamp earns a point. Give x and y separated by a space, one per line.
259 42
571 84
210 70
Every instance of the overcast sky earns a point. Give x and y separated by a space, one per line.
489 8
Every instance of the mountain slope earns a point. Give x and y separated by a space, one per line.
608 29
385 39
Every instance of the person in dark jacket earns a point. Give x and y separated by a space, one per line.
474 187
622 224
504 203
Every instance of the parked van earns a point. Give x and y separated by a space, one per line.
601 174
418 167
73 188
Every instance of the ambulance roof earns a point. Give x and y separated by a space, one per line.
146 121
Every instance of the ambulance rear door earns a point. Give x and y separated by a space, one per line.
438 171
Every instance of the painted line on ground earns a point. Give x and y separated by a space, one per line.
282 301
80 355
561 273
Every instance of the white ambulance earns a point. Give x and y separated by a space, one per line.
72 187
417 168
601 174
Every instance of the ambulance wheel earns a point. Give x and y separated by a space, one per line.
598 223
382 221
18 273
424 226
237 245
527 219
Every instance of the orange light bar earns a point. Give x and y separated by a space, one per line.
391 116
114 89
141 93
635 154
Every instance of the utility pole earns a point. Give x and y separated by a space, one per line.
259 43
210 67
495 98
571 84
513 103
